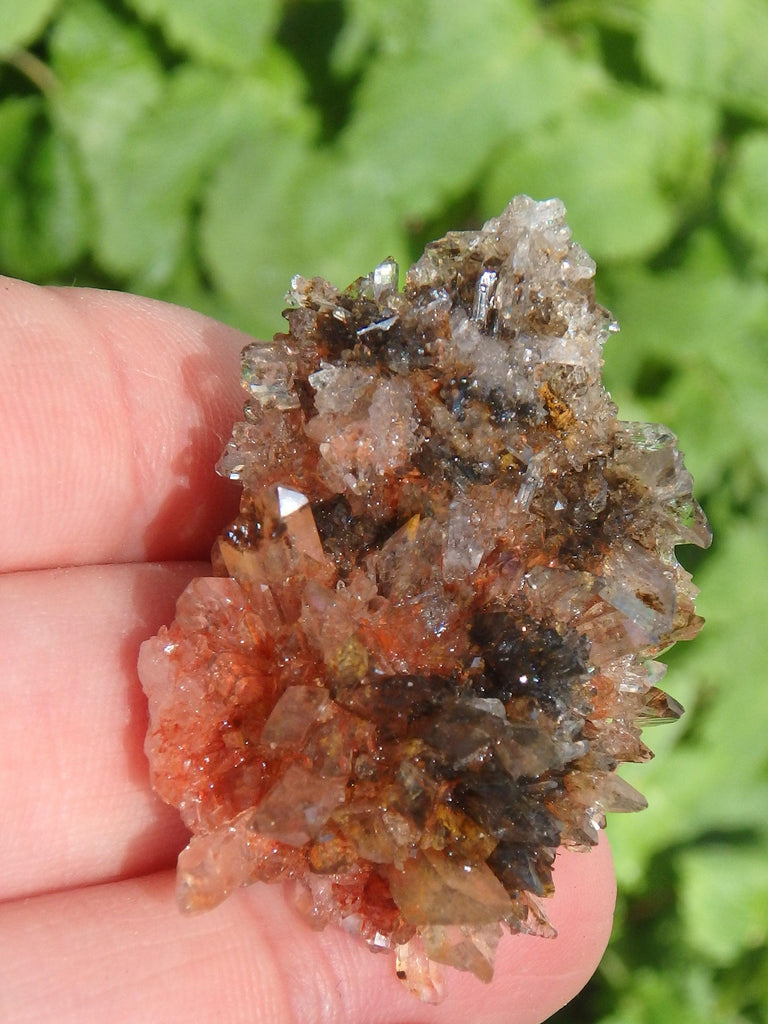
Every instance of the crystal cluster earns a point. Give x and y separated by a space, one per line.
429 639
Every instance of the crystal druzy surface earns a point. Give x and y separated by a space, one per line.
429 639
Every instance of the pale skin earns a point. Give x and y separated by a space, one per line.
113 411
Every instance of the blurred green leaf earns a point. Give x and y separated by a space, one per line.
706 333
621 162
431 112
43 214
716 50
20 23
671 995
17 118
248 229
724 897
109 76
158 168
233 34
370 27
58 204
299 220
745 195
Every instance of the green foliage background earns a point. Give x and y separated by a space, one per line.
203 151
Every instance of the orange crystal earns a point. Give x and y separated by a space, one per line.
429 639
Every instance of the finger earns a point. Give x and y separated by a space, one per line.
121 952
74 781
113 412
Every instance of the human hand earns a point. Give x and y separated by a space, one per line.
113 411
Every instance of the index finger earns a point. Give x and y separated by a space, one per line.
113 412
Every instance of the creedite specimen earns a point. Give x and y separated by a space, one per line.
429 638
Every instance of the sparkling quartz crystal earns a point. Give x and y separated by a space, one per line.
430 636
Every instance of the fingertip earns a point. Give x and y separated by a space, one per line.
533 976
536 976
